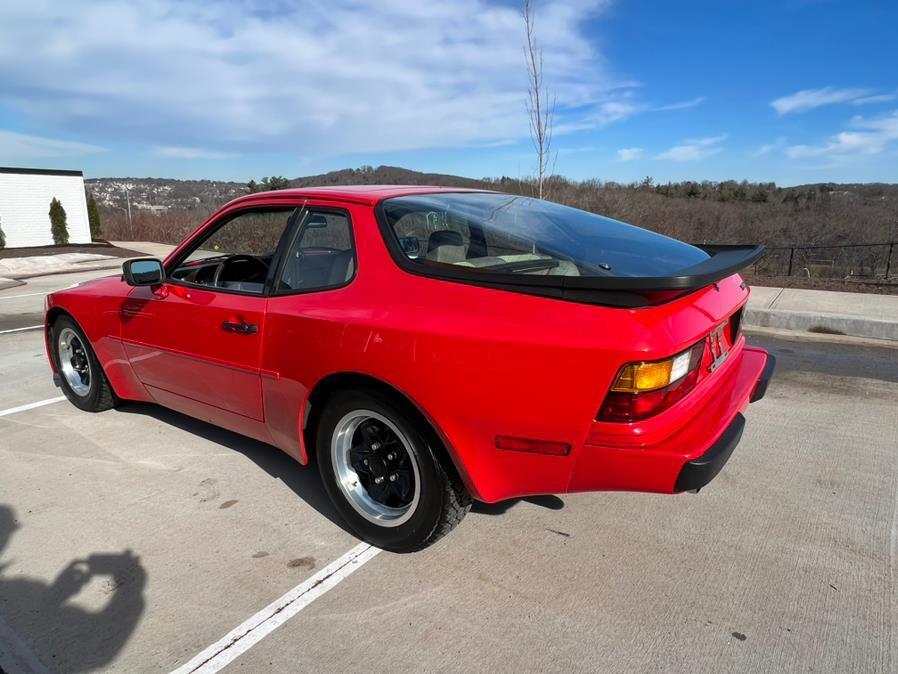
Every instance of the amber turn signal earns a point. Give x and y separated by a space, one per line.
639 377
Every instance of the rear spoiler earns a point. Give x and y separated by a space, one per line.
611 291
644 291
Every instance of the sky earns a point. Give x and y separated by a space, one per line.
791 91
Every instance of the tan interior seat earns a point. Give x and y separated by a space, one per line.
447 246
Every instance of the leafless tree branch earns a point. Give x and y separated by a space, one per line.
540 109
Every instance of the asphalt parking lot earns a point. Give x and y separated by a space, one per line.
135 539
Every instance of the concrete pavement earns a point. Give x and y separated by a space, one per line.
148 248
133 539
853 314
14 270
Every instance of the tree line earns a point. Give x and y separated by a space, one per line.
696 211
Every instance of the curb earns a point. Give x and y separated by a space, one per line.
834 324
9 283
74 270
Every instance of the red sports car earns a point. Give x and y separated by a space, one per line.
429 346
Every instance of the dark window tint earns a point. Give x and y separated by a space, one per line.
511 234
321 254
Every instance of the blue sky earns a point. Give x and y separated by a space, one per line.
792 91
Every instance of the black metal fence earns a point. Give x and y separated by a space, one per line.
876 261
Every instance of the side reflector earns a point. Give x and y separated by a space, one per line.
532 446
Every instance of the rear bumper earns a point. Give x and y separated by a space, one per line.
764 380
697 473
688 457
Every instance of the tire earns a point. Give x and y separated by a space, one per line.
74 358
388 515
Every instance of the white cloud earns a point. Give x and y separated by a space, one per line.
868 137
614 111
879 98
300 77
190 153
808 99
24 147
767 148
682 105
762 150
630 153
694 150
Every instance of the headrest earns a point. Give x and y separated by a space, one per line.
444 237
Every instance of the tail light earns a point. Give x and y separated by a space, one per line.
644 389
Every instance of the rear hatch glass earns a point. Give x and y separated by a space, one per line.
519 235
538 247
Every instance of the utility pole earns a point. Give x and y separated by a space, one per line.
128 200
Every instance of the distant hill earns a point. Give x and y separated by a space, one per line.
723 212
385 175
162 194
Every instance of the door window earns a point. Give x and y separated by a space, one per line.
321 254
237 255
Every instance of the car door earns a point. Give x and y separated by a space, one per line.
197 338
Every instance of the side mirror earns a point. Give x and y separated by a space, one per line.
143 272
410 245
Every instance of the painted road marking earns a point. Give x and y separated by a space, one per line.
31 406
30 327
15 297
243 637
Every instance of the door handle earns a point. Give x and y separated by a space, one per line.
240 328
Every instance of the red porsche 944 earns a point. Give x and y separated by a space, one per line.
427 347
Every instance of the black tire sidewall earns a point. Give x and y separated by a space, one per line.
90 402
414 533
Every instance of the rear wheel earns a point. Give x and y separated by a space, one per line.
81 378
382 474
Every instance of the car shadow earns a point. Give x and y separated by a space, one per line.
303 481
547 501
43 629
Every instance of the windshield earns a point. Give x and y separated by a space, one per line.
512 234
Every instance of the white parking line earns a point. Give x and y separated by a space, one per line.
14 297
239 640
30 327
31 406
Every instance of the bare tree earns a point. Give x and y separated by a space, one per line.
539 108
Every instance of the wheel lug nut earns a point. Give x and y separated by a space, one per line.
378 480
393 477
375 446
390 456
366 462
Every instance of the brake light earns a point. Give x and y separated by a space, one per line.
644 389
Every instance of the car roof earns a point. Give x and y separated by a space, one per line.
364 194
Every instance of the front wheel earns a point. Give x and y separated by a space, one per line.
382 475
81 377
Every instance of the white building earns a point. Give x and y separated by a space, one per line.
25 196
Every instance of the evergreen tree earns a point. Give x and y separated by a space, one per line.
93 216
252 187
58 225
275 183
